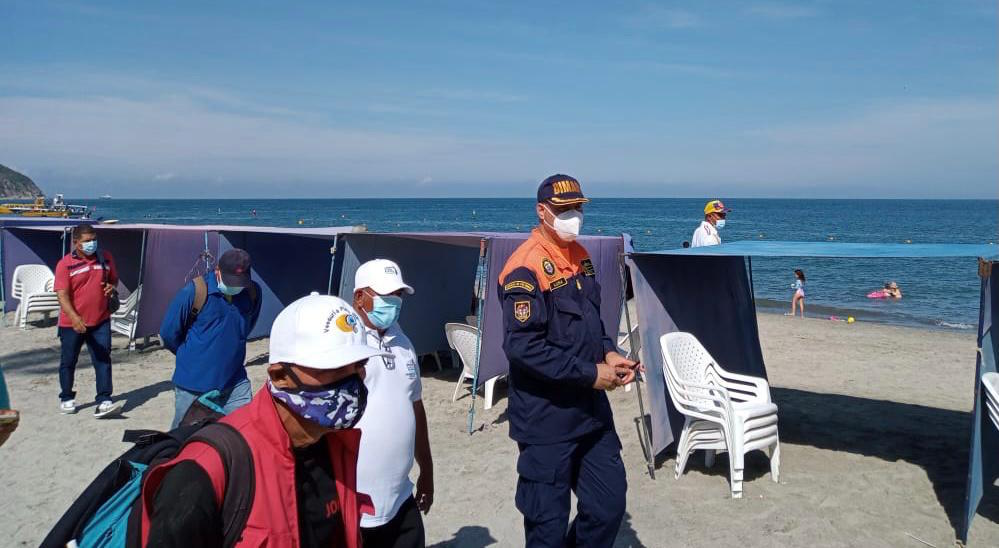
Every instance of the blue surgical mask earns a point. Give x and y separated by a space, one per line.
336 406
720 223
89 248
385 311
226 290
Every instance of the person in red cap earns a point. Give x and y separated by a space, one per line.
206 326
714 220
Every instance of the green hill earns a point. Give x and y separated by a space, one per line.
17 185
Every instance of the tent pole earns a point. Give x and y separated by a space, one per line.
3 284
752 289
329 285
480 282
138 303
646 439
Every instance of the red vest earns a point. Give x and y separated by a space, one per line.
273 519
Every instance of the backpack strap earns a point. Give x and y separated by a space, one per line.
200 297
237 459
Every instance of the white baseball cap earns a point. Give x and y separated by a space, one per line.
320 332
381 275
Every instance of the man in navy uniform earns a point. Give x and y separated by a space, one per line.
561 364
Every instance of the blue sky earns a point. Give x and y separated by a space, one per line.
248 99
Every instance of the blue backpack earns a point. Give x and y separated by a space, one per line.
108 514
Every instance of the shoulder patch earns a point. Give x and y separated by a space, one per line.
522 311
519 284
548 267
558 283
587 265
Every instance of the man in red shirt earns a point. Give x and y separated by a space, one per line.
84 280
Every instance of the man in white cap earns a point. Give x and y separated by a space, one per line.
300 429
395 425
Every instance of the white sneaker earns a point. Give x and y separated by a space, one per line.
107 409
67 407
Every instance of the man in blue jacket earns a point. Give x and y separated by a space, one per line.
206 327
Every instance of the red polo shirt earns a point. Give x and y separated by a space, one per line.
83 277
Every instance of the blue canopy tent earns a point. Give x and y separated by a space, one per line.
672 286
14 250
442 267
288 262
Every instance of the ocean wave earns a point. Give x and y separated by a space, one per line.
953 325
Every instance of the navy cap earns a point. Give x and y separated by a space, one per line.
561 190
234 265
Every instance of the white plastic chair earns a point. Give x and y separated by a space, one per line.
990 381
462 338
635 347
124 320
723 411
32 285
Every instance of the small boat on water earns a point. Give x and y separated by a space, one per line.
105 196
40 208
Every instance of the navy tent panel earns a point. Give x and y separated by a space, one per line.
983 465
709 297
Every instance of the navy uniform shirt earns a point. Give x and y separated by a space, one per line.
553 340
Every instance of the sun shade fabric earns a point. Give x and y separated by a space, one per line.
441 267
751 248
983 460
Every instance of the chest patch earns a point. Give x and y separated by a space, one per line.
522 311
548 267
561 282
587 265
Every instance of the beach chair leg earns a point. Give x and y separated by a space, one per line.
490 384
457 387
736 465
682 452
709 458
437 360
775 462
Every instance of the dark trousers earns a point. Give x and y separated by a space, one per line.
98 339
405 530
591 467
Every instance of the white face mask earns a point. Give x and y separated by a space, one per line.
720 223
568 224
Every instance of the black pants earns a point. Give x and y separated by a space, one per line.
405 530
591 467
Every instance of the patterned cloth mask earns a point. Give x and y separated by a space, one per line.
336 406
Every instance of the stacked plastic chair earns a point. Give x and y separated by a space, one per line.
123 321
32 285
462 339
723 411
990 381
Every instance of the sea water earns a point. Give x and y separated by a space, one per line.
941 293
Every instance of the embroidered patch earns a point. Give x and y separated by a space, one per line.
548 267
519 284
558 283
522 311
587 265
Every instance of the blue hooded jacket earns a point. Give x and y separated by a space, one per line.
210 352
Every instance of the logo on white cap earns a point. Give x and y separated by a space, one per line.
382 276
344 319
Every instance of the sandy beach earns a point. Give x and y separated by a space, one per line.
873 420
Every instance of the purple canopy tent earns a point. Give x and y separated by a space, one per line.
442 266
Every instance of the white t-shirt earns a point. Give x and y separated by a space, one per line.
388 426
706 234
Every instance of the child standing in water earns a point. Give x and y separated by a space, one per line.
799 292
